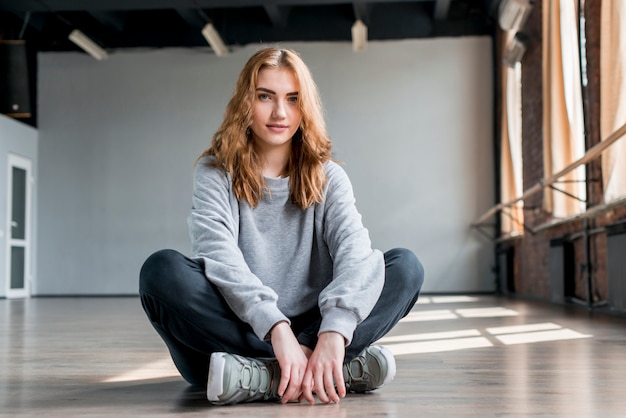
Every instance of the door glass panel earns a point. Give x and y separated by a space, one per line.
18 211
17 267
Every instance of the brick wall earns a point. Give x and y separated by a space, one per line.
532 251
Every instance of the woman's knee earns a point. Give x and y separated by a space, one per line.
157 269
406 268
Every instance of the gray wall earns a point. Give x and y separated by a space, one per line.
412 121
21 140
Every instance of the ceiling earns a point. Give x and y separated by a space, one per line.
115 24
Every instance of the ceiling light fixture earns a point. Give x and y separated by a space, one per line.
512 14
89 46
214 39
359 36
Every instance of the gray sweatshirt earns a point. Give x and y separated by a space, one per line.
277 261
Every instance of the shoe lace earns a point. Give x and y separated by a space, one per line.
258 379
359 376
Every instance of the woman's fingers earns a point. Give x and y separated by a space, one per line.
294 388
307 388
340 384
285 375
329 386
291 359
320 391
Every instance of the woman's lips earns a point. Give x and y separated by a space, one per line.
277 128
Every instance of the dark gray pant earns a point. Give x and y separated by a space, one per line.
194 320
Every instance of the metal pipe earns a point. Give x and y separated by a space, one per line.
590 155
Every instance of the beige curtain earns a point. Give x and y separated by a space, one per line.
613 96
562 97
511 147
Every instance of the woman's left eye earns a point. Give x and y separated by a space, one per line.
292 99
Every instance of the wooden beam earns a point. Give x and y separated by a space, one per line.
108 19
192 17
442 7
277 14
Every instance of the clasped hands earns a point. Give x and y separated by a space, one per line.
304 372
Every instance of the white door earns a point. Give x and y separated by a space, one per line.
18 270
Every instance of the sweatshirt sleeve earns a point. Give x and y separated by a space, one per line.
358 270
213 232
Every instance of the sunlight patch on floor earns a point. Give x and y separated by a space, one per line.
430 336
155 370
486 312
444 314
541 336
474 338
434 315
544 326
447 299
438 346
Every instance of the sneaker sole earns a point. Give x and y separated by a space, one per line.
391 364
215 386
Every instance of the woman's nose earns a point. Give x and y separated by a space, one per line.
279 110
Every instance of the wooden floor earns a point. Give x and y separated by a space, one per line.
456 356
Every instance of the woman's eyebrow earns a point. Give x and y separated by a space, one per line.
293 93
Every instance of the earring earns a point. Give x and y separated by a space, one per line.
248 132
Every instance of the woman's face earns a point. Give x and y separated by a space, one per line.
276 112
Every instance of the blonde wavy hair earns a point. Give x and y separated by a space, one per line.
233 150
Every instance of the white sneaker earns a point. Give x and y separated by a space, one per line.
235 379
370 370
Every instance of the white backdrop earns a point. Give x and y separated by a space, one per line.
411 120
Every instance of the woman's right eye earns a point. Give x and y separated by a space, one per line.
263 96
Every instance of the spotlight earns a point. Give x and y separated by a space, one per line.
359 36
214 39
88 45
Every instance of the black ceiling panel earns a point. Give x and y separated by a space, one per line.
116 24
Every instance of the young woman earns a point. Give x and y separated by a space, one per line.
284 294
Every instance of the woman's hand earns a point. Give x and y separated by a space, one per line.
291 359
324 372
